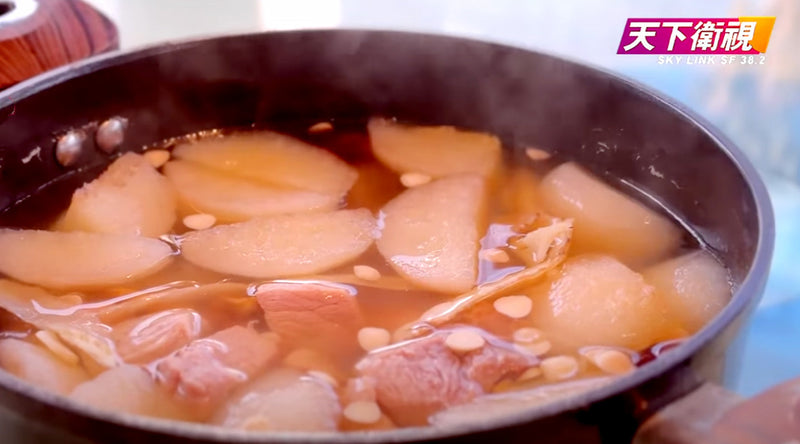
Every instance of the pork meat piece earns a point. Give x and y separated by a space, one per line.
317 315
206 370
417 378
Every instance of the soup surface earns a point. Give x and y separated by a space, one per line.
381 277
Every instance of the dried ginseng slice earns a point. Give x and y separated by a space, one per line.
553 255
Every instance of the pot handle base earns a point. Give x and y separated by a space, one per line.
714 415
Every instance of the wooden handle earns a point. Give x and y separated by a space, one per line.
713 415
37 35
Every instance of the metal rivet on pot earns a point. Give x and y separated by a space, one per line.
68 147
111 133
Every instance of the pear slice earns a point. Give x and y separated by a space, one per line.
272 159
597 300
232 199
695 287
77 259
130 197
431 233
39 367
436 151
284 245
606 220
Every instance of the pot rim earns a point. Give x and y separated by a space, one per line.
747 293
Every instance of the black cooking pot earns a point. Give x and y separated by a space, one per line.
615 127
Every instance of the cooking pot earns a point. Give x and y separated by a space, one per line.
617 128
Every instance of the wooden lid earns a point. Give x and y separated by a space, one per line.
38 35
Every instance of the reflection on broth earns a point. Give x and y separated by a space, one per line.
403 276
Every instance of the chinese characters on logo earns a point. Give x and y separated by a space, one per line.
744 35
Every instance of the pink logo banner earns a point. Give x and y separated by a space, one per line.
742 35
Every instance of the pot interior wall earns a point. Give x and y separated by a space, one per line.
612 127
527 99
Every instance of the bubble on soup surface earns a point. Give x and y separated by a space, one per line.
199 221
695 287
367 273
39 367
280 246
234 199
431 233
272 159
611 360
78 259
370 338
411 180
606 220
597 300
435 151
557 368
515 306
282 399
129 197
363 412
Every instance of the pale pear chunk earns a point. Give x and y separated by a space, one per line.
284 245
597 300
272 159
436 151
232 199
37 306
130 197
77 259
39 366
431 233
695 287
131 389
282 399
606 220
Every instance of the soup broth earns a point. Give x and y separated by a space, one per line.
369 277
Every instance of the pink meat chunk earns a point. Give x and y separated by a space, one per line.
148 338
311 314
417 378
206 370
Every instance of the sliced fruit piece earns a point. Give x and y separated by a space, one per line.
598 300
131 389
36 306
606 220
72 260
431 232
285 245
433 150
695 287
39 366
541 261
130 197
283 399
272 159
232 199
